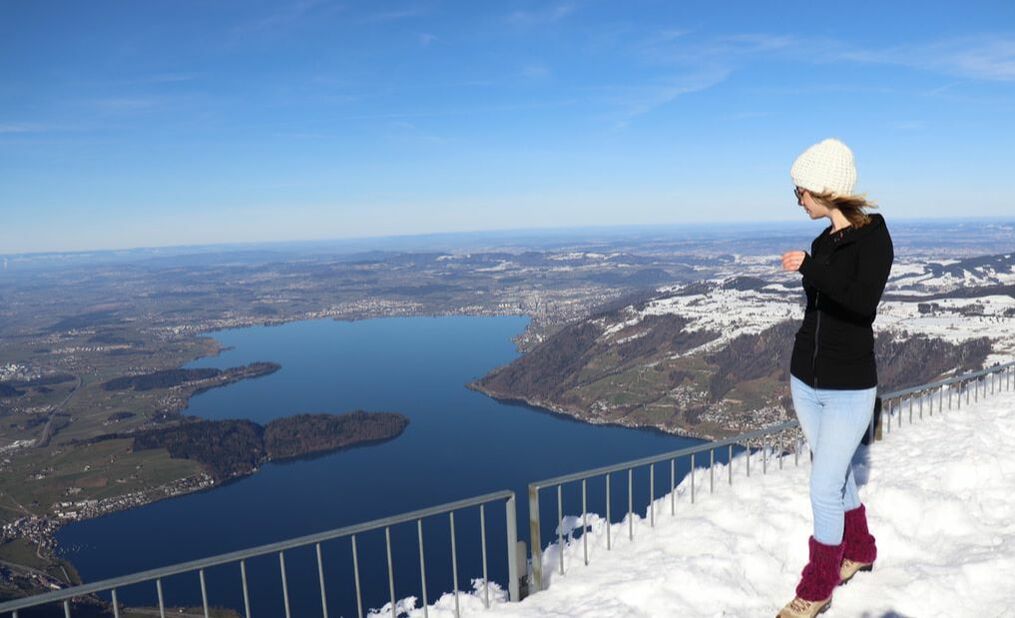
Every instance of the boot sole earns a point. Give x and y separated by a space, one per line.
865 569
824 608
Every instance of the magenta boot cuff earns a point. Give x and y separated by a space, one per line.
858 540
821 575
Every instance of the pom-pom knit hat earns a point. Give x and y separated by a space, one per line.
825 167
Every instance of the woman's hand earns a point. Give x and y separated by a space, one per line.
791 260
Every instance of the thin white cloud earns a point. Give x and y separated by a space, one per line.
287 15
671 46
126 104
983 58
407 132
639 100
989 57
547 15
481 110
536 72
22 127
426 39
749 115
383 16
908 125
168 78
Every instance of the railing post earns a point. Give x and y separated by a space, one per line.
535 540
422 567
204 592
651 497
673 486
320 579
560 526
692 478
285 586
512 541
355 575
162 603
454 569
609 521
585 522
482 543
711 470
630 503
246 594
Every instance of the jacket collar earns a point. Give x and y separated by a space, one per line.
877 222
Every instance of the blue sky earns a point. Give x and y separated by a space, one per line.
126 124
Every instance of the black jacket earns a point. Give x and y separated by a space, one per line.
844 278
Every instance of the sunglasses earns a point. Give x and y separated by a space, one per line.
799 193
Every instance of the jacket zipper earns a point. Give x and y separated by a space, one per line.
817 331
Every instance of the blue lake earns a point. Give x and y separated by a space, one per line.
459 443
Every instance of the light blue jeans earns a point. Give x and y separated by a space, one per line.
834 422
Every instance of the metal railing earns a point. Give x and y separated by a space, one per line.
998 377
156 576
971 384
926 392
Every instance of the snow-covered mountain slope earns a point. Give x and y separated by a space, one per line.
939 500
753 295
948 275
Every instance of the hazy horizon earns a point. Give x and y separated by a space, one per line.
362 242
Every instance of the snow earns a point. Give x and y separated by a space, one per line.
917 273
939 500
501 265
952 326
730 313
582 255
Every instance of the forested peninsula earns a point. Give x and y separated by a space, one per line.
204 378
232 448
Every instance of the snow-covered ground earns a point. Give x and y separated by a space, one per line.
940 495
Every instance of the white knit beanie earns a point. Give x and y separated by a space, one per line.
825 167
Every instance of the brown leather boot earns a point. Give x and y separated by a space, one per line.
817 581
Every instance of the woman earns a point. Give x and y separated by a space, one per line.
833 377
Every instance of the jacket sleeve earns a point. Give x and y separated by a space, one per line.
860 293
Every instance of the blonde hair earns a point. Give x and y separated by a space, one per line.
851 206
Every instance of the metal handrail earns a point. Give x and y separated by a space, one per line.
280 547
535 531
156 575
948 381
